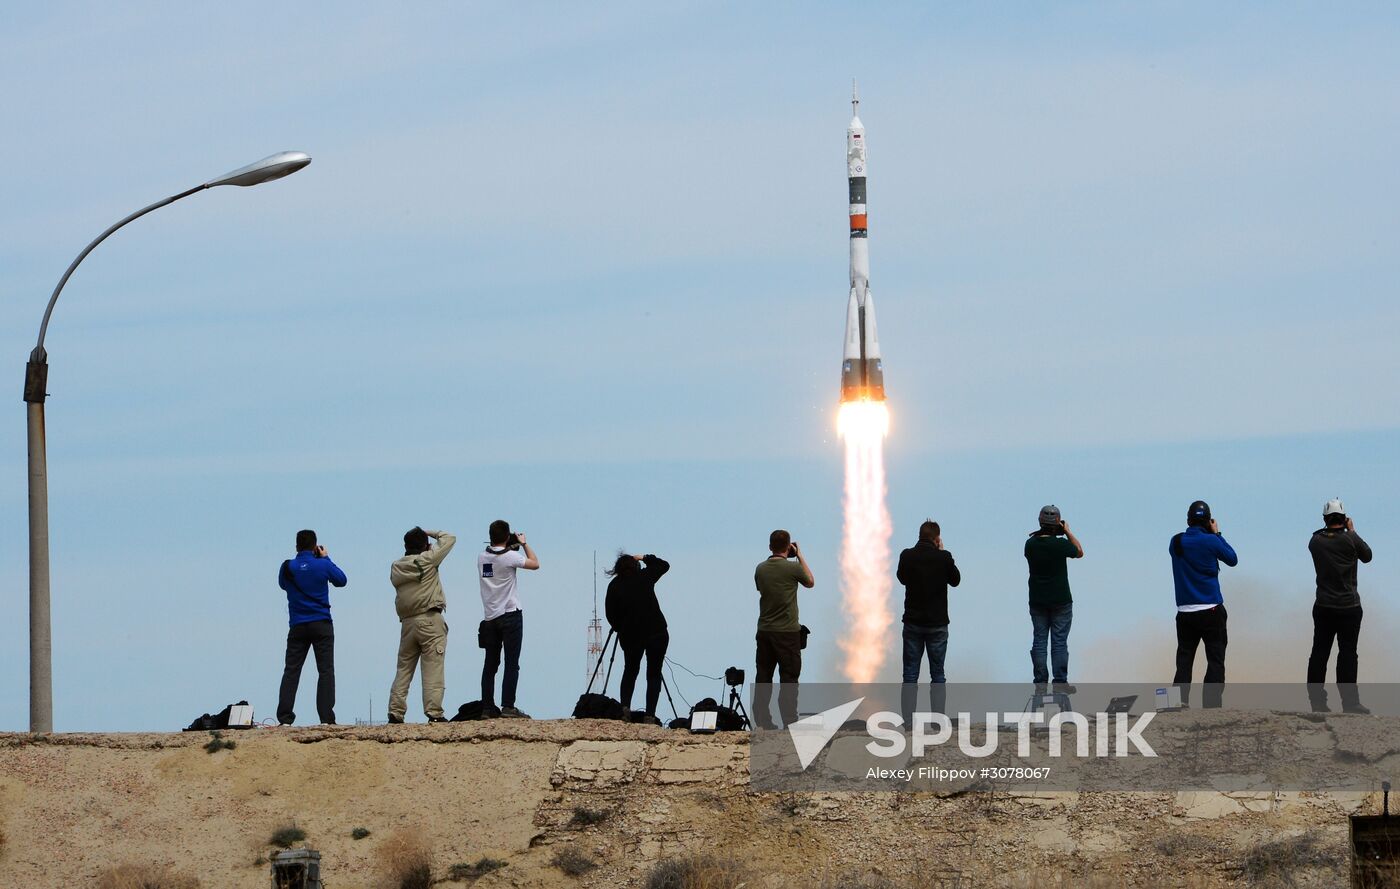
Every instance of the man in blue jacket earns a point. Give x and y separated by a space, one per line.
1197 554
305 577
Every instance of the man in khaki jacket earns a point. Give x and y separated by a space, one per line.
420 603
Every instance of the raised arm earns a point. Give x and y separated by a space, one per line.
334 574
532 562
445 542
1074 541
1363 550
1225 552
655 566
806 578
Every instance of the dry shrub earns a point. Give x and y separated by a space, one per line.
938 878
145 876
1281 862
286 835
1183 846
947 879
1035 878
586 817
698 872
573 862
857 880
470 873
405 860
1067 879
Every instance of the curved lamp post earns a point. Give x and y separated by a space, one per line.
35 380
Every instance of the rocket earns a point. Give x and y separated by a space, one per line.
862 374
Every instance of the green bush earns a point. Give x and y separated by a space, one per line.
217 742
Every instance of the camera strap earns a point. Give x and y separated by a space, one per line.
291 577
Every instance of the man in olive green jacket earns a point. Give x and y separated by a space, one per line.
420 603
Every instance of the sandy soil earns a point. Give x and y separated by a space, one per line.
72 806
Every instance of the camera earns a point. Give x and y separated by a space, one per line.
513 541
733 677
792 551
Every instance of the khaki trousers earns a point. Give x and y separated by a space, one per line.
423 636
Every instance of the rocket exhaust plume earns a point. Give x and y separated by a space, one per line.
865 540
863 422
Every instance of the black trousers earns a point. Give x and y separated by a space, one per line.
654 647
318 635
781 651
504 633
1192 629
1344 625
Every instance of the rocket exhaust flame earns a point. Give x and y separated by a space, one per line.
865 540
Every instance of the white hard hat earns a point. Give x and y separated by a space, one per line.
1334 507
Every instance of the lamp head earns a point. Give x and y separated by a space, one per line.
274 166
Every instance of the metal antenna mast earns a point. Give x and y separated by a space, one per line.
595 627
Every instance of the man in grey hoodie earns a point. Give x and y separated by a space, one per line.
1336 548
419 600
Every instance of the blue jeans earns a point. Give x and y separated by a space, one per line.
1052 622
916 641
504 632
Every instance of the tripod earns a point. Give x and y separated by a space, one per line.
616 642
736 703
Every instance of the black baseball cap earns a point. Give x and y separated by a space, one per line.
1198 512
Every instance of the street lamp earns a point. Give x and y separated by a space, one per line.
35 380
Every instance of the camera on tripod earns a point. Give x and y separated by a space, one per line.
733 677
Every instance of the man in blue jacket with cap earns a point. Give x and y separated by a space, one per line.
1197 554
306 578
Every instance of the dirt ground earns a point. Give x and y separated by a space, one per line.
622 797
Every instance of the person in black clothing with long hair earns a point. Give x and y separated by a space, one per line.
635 615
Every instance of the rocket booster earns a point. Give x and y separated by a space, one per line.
862 374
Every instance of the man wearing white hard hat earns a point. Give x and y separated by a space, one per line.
1336 549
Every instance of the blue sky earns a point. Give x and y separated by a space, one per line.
585 269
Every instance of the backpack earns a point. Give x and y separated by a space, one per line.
596 706
210 722
726 718
469 712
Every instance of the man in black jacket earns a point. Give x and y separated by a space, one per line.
1336 549
927 570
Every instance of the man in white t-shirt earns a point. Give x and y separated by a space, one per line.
503 623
